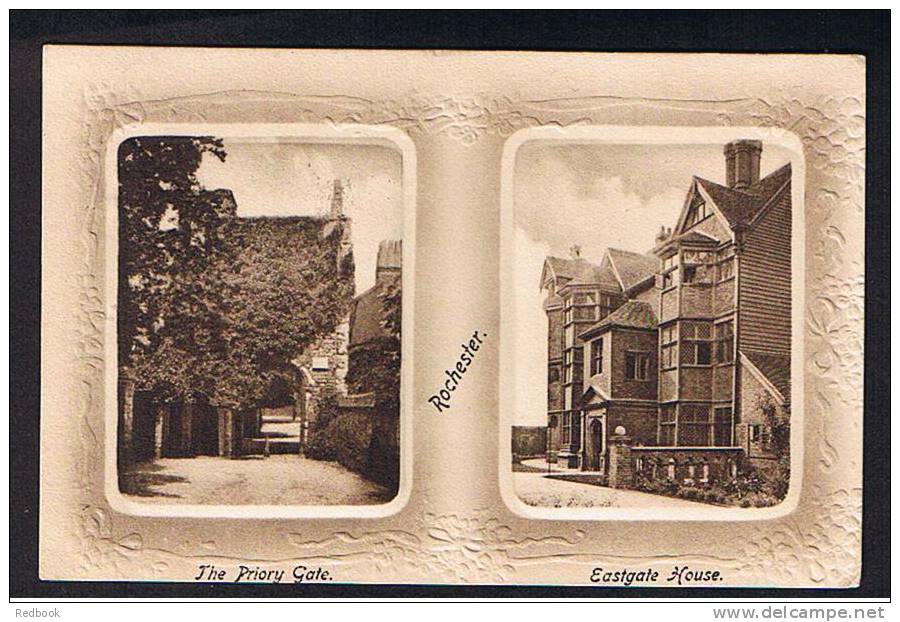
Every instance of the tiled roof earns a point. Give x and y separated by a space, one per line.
741 206
775 367
582 272
632 314
368 308
633 268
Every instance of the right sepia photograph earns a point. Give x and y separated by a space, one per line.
659 277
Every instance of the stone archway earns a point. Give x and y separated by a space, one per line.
303 409
596 443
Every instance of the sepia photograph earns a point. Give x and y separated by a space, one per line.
660 277
258 321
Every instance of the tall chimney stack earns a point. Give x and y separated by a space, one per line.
742 163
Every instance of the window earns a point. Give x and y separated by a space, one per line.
636 365
694 426
567 365
568 309
669 271
667 425
668 347
759 435
725 270
585 313
704 477
697 266
698 212
725 267
567 427
725 342
597 356
722 427
696 343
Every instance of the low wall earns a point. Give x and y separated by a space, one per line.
686 465
529 441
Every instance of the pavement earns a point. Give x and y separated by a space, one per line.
536 489
275 480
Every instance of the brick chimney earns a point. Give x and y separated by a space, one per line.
664 234
742 163
389 261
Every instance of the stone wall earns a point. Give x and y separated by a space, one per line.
326 360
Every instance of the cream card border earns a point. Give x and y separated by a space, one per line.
458 109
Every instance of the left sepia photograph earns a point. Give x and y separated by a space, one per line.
258 321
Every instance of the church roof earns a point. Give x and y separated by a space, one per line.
632 314
741 206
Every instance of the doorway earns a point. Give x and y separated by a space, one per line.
597 447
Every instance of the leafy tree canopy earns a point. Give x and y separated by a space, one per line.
210 303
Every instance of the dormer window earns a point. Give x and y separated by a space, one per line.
698 212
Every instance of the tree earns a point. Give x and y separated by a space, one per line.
170 232
211 304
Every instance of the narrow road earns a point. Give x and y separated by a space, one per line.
276 480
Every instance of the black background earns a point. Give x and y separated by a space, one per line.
849 32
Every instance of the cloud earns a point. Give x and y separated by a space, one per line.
555 208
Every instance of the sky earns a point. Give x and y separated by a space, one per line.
596 196
270 178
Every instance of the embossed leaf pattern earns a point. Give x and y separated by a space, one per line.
822 547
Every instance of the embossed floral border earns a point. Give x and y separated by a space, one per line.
818 545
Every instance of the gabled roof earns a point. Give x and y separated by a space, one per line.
595 387
698 237
776 368
631 268
579 272
632 314
740 207
367 311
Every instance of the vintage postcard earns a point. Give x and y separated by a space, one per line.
428 317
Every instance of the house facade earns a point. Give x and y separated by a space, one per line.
693 350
